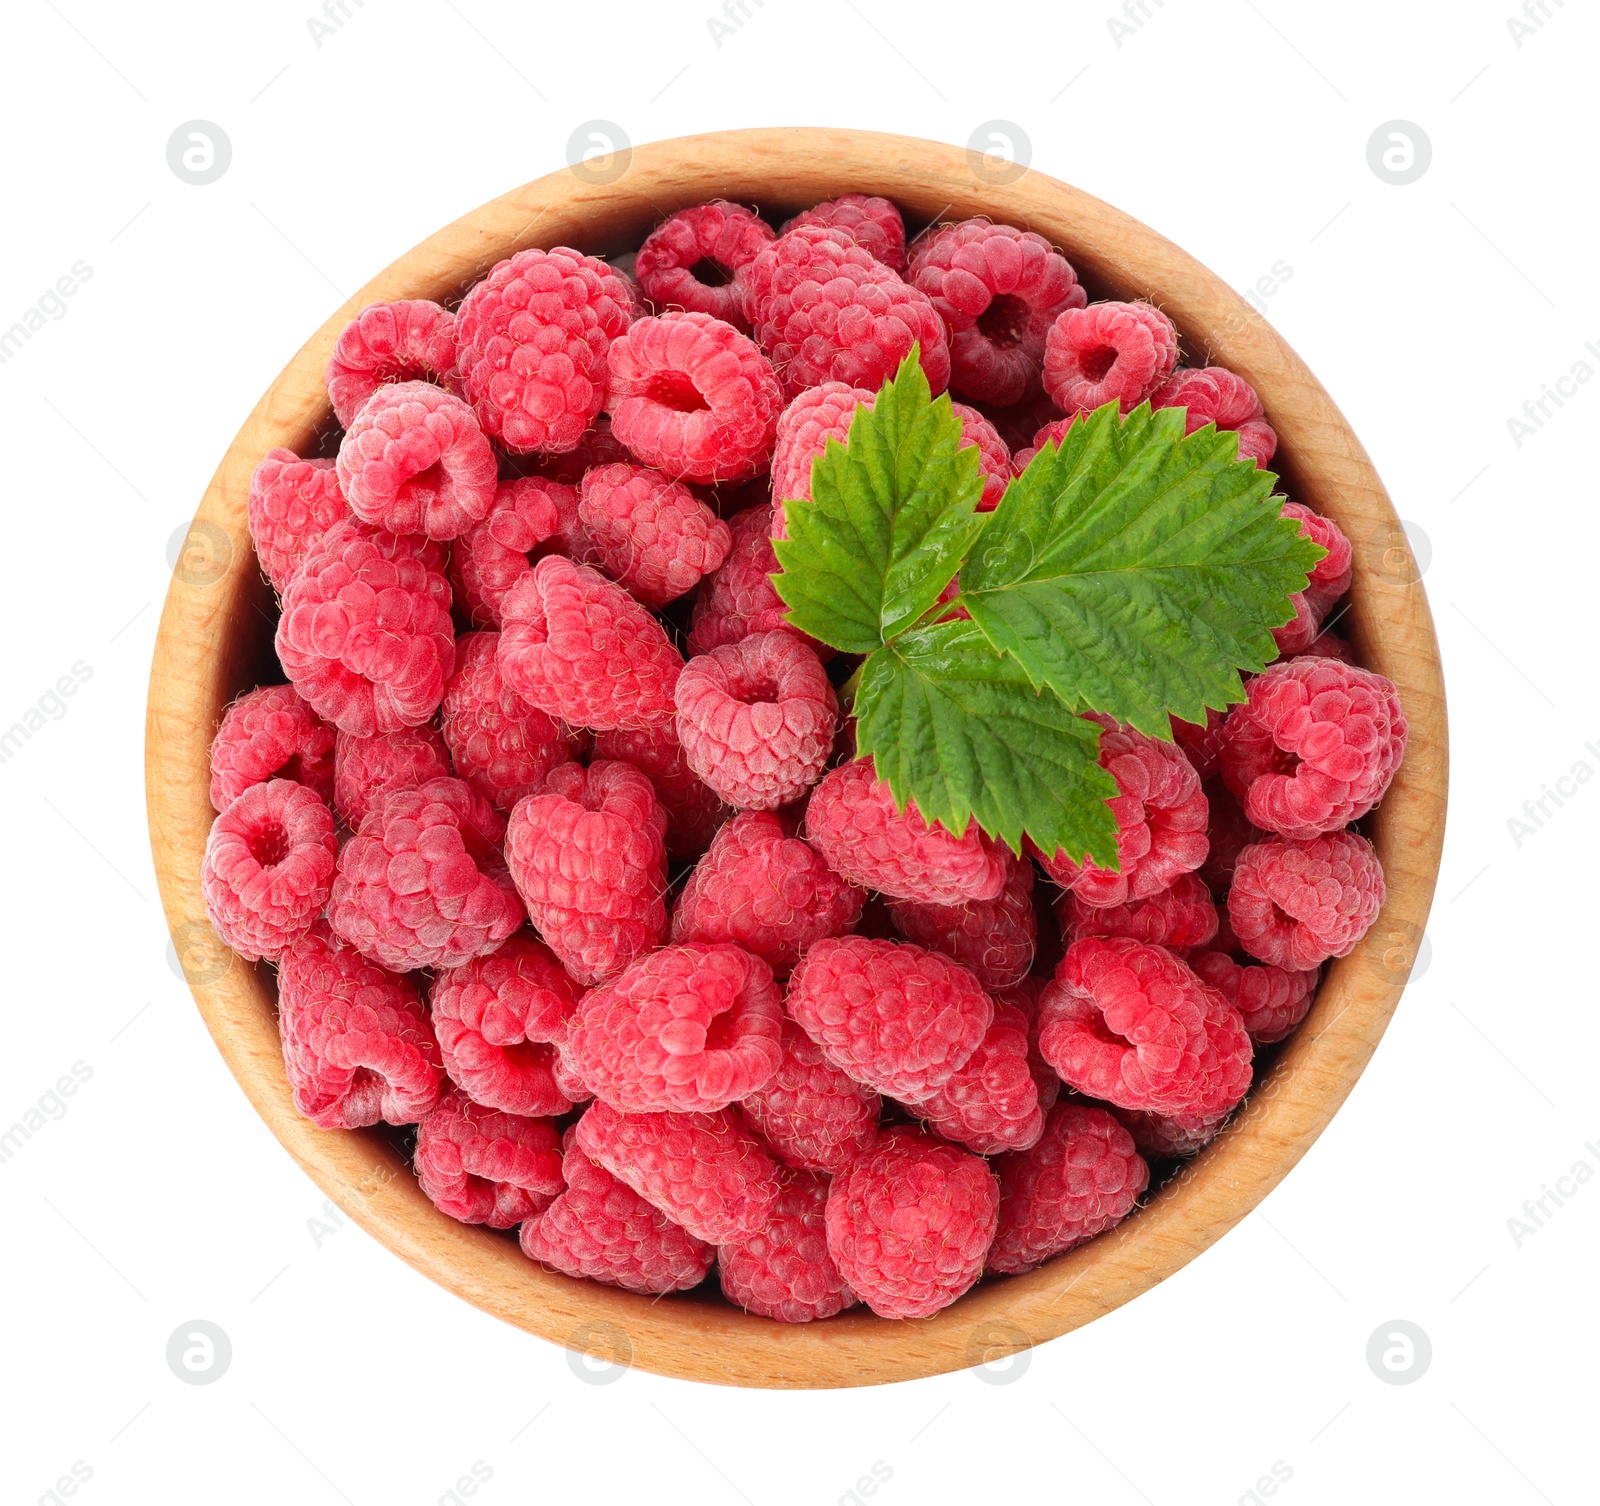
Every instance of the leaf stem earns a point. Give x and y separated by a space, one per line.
847 691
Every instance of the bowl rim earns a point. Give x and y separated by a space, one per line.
204 656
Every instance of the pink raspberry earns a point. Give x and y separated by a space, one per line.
1212 395
1201 742
824 310
809 1112
1314 747
999 290
1129 1023
1180 917
578 647
1108 352
694 810
652 535
909 1223
531 343
367 767
1229 834
994 459
689 1028
529 518
694 398
423 884
1270 1000
872 223
852 821
1082 1177
292 503
1024 996
1051 433
740 599
586 853
357 1044
365 634
498 1019
704 1171
408 340
268 867
1170 1137
1295 904
811 419
994 938
599 446
1329 645
483 1166
1330 576
269 733
992 1103
1296 635
894 1016
688 260
784 1270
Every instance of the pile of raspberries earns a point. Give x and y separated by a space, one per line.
557 837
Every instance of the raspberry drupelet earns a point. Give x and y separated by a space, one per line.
689 260
268 733
1108 352
783 1270
529 518
484 1166
809 1112
995 938
873 223
407 340
292 503
1295 904
367 767
1211 395
651 535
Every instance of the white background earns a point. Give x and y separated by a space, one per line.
1431 311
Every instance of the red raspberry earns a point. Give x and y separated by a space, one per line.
812 418
1129 1023
1082 1177
1180 917
910 1222
357 1044
739 599
999 290
992 1103
292 503
1330 645
688 1028
824 310
599 446
704 1171
268 733
694 398
994 459
1017 424
1025 997
809 1112
531 342
408 340
1170 1137
872 223
498 1019
1230 833
367 767
1314 747
688 260
995 938
1270 1000
652 535
482 1166
586 853
1201 743
894 1016
365 634
1051 433
422 884
268 867
694 811
1214 396
529 518
784 1270
1295 904
1330 576
1108 352
852 821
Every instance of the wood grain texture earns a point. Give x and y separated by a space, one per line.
214 642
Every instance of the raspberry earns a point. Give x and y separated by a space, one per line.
652 535
824 310
599 446
367 767
270 732
999 290
910 1222
688 260
529 518
293 502
992 1103
1201 742
500 745
994 459
482 1166
602 1229
1051 433
809 1112
586 853
577 646
1295 904
268 867
1330 576
1082 1177
694 398
852 821
1328 645
895 1017
766 891
805 426
422 884
872 223
1230 833
1129 1023
1108 352
1018 424
1270 1000
408 340
689 1028
498 1019
704 1171
994 938
1180 917
1170 1137
365 634
694 811
739 599
783 1270
1314 747
1024 996
531 343
1214 396
357 1044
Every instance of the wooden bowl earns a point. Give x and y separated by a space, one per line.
215 641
